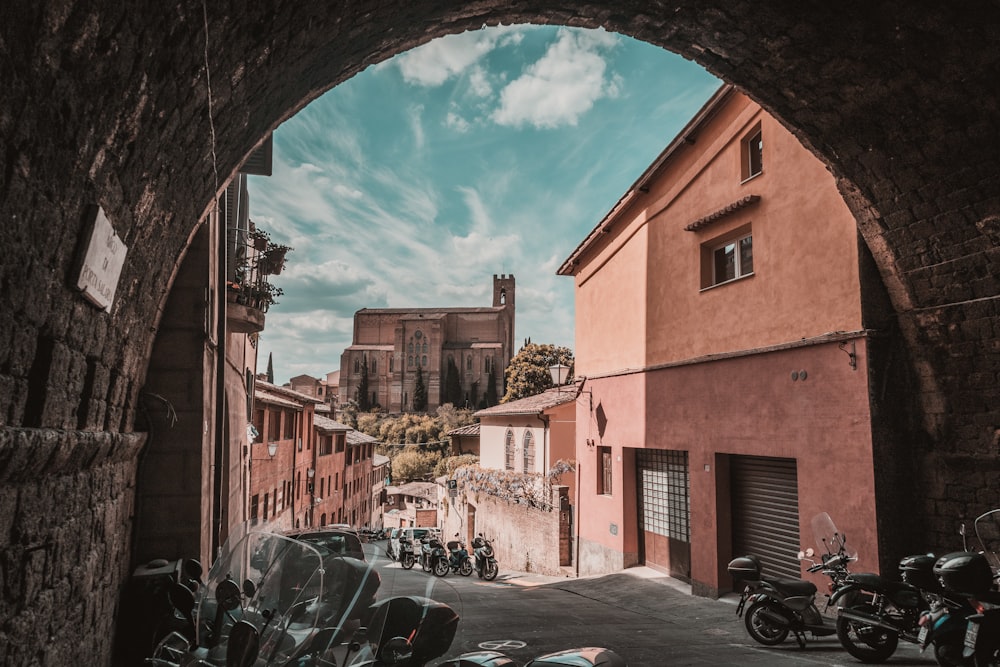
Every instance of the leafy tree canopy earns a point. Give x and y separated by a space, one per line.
528 373
413 465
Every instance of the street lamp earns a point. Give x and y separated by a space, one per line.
559 372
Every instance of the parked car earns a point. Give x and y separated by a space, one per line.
330 540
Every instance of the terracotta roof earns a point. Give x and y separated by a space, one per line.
415 489
359 438
263 385
469 429
274 399
531 405
379 460
327 424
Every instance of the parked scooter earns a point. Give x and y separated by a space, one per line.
459 560
432 556
406 555
298 608
974 575
486 563
779 606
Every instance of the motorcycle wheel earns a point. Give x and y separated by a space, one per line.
441 567
407 561
865 642
465 569
425 564
490 570
760 628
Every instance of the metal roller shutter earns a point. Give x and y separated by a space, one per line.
765 496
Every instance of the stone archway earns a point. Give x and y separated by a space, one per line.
147 109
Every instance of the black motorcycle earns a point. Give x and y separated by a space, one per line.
779 606
406 556
433 557
974 575
890 611
486 563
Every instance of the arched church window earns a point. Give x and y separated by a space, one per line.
529 451
468 363
508 450
423 360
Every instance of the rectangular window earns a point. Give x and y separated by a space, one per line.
727 258
752 154
604 469
325 445
273 425
341 439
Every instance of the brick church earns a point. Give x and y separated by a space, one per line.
391 344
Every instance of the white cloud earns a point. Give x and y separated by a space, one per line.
479 83
562 85
435 62
456 122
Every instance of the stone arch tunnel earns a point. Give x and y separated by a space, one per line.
148 108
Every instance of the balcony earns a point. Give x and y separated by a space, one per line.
248 292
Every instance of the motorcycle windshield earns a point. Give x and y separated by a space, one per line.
829 541
988 534
273 600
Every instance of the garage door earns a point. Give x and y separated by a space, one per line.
765 495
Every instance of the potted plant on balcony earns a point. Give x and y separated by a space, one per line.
264 294
272 261
259 239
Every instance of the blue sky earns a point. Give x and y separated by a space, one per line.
489 152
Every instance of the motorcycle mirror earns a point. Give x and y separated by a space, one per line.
227 593
182 598
248 588
193 568
396 651
243 645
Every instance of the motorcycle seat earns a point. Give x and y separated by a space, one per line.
792 587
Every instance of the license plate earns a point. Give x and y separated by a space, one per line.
970 635
922 637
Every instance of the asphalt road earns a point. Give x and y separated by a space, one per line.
646 617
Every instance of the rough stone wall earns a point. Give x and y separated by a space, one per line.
118 104
62 566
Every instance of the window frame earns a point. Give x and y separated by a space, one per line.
508 449
605 471
528 455
751 156
709 249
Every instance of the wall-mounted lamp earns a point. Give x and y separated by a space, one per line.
310 473
852 355
272 448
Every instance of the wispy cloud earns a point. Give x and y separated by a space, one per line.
564 84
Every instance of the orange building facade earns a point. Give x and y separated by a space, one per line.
725 314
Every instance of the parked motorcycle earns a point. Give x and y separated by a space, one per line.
459 560
406 556
432 556
974 575
296 608
486 563
890 611
779 606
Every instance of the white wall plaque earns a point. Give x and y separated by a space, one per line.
102 264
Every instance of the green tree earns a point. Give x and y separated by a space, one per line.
413 464
420 392
490 398
447 466
528 373
452 385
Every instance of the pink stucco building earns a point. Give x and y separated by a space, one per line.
726 322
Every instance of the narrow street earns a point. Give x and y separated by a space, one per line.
648 618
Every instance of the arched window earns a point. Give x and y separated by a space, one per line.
409 349
409 360
468 363
508 450
423 360
373 367
529 451
391 363
357 365
425 348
